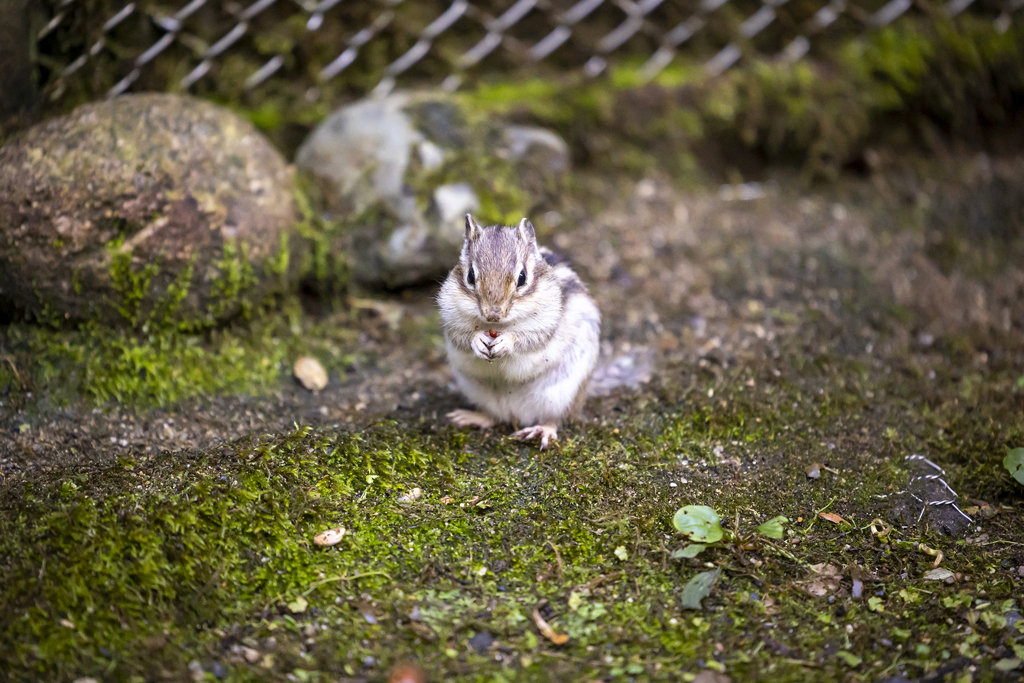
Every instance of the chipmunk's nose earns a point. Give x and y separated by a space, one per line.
493 314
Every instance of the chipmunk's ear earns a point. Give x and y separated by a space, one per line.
472 229
526 231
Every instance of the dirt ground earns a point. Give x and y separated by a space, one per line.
703 280
790 328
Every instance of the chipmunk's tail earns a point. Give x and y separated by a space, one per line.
630 369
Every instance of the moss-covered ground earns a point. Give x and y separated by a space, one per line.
137 567
783 340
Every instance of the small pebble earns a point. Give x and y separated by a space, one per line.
481 642
310 373
814 471
195 670
252 656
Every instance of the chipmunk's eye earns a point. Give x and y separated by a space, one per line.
471 278
522 278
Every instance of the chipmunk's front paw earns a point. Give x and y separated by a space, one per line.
482 346
545 433
501 345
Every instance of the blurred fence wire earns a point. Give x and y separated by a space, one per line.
353 47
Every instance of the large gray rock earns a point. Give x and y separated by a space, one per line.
402 171
113 210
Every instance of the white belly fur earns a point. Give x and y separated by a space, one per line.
539 387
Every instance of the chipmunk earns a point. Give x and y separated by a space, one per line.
521 329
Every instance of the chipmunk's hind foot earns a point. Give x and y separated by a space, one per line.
470 418
546 434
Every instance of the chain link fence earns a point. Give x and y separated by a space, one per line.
348 48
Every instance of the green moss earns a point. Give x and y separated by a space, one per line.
495 181
161 355
826 114
541 97
132 287
162 363
235 279
137 567
322 260
962 75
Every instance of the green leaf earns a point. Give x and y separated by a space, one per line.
876 604
698 588
1014 463
699 523
993 620
691 550
848 657
621 553
298 605
1007 665
773 527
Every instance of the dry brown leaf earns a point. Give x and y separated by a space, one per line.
834 518
310 373
330 536
407 672
708 676
547 631
447 500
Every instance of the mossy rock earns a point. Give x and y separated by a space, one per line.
399 174
144 205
